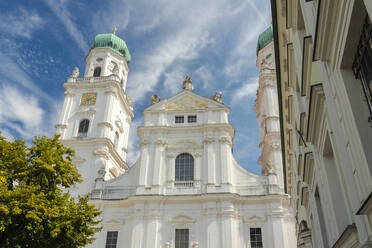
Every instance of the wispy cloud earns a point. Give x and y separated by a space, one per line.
133 143
18 110
20 22
60 10
173 79
246 91
10 70
183 46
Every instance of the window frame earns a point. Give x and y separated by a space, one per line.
192 117
179 117
260 240
183 171
363 61
183 243
83 129
111 244
97 70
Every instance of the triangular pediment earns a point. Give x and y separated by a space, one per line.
185 100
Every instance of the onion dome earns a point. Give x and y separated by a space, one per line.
265 38
113 42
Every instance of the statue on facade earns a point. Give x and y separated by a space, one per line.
155 99
217 97
187 83
75 72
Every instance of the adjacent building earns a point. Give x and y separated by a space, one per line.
323 55
186 189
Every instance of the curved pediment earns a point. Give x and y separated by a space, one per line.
254 219
182 218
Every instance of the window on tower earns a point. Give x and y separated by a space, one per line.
97 72
184 167
83 128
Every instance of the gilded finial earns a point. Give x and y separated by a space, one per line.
115 29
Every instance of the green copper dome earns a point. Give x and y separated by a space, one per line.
265 38
113 42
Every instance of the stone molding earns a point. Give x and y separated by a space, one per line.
106 124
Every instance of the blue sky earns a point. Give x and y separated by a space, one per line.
212 40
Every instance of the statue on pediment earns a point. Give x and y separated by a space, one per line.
217 97
187 83
155 99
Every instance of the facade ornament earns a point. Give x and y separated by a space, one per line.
217 97
197 154
161 141
155 99
102 152
187 83
75 72
167 245
269 167
170 155
226 140
208 140
195 245
145 142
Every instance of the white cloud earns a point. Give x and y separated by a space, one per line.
205 75
10 70
133 143
60 10
183 46
20 22
173 79
20 112
248 90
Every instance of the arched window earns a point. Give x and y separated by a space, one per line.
83 127
184 167
97 72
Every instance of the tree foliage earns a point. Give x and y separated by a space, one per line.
35 208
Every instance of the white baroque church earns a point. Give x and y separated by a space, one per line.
186 190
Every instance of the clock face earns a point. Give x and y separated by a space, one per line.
88 99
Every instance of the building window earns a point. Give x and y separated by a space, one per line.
111 239
97 72
83 128
184 167
191 119
179 119
256 237
182 238
362 65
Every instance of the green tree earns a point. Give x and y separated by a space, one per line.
35 208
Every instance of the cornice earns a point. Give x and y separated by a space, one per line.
183 129
98 141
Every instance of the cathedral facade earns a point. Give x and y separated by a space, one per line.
186 189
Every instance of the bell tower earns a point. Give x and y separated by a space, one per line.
96 114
